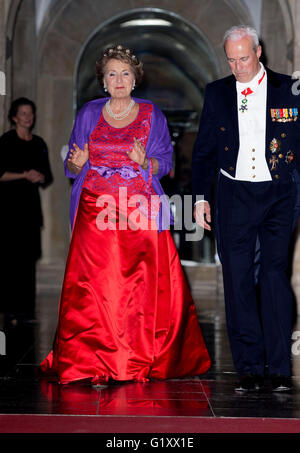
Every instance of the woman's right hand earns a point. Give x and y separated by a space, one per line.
34 176
78 157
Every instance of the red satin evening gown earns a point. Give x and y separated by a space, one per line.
126 312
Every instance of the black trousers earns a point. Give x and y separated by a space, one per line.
246 211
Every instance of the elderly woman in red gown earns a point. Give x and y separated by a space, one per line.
126 313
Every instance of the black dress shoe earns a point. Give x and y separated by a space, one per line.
250 383
281 383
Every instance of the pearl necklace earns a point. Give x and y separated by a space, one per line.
121 115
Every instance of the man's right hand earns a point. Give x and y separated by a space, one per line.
202 214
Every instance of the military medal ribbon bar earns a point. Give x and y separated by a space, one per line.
284 115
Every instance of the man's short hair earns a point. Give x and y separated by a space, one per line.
240 31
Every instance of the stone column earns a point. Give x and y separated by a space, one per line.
4 7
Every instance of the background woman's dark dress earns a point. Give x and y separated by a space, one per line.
21 220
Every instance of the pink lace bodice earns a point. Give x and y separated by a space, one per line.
108 147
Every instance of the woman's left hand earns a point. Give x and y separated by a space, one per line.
138 153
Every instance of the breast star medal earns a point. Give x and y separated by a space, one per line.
289 157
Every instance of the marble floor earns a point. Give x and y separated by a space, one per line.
23 391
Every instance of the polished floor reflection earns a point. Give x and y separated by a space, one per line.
23 391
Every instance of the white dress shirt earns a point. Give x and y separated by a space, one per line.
251 162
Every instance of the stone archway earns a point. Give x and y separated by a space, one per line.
178 60
178 63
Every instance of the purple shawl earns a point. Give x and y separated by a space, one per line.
158 145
